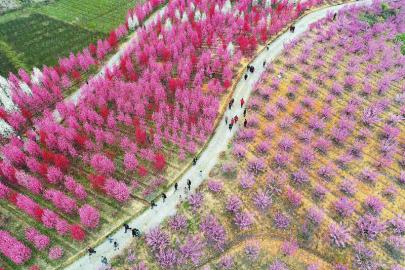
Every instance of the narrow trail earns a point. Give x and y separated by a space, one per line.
209 157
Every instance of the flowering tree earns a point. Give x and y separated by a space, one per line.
13 249
89 216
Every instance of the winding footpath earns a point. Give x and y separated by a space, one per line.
209 157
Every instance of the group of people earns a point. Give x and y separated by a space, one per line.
235 119
176 187
135 233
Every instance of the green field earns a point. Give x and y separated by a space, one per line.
39 34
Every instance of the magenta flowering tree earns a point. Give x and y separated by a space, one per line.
13 249
61 201
101 164
89 216
117 190
130 162
39 240
55 253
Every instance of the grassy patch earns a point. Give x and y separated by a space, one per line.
40 33
373 18
39 40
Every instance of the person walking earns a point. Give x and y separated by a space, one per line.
201 174
91 251
244 112
232 102
245 123
334 16
229 105
126 227
164 197
236 119
176 186
252 69
116 247
246 76
104 260
189 184
226 120
242 101
292 28
194 160
230 126
153 204
186 192
264 63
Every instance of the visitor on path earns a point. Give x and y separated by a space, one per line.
292 28
136 232
236 119
334 16
248 68
194 160
267 47
252 69
176 186
246 76
126 227
226 120
229 105
189 184
201 174
242 101
230 126
186 192
245 123
244 112
91 251
264 63
164 197
232 102
116 247
152 204
104 260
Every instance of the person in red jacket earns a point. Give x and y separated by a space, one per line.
242 102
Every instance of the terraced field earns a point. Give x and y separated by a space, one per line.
39 34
